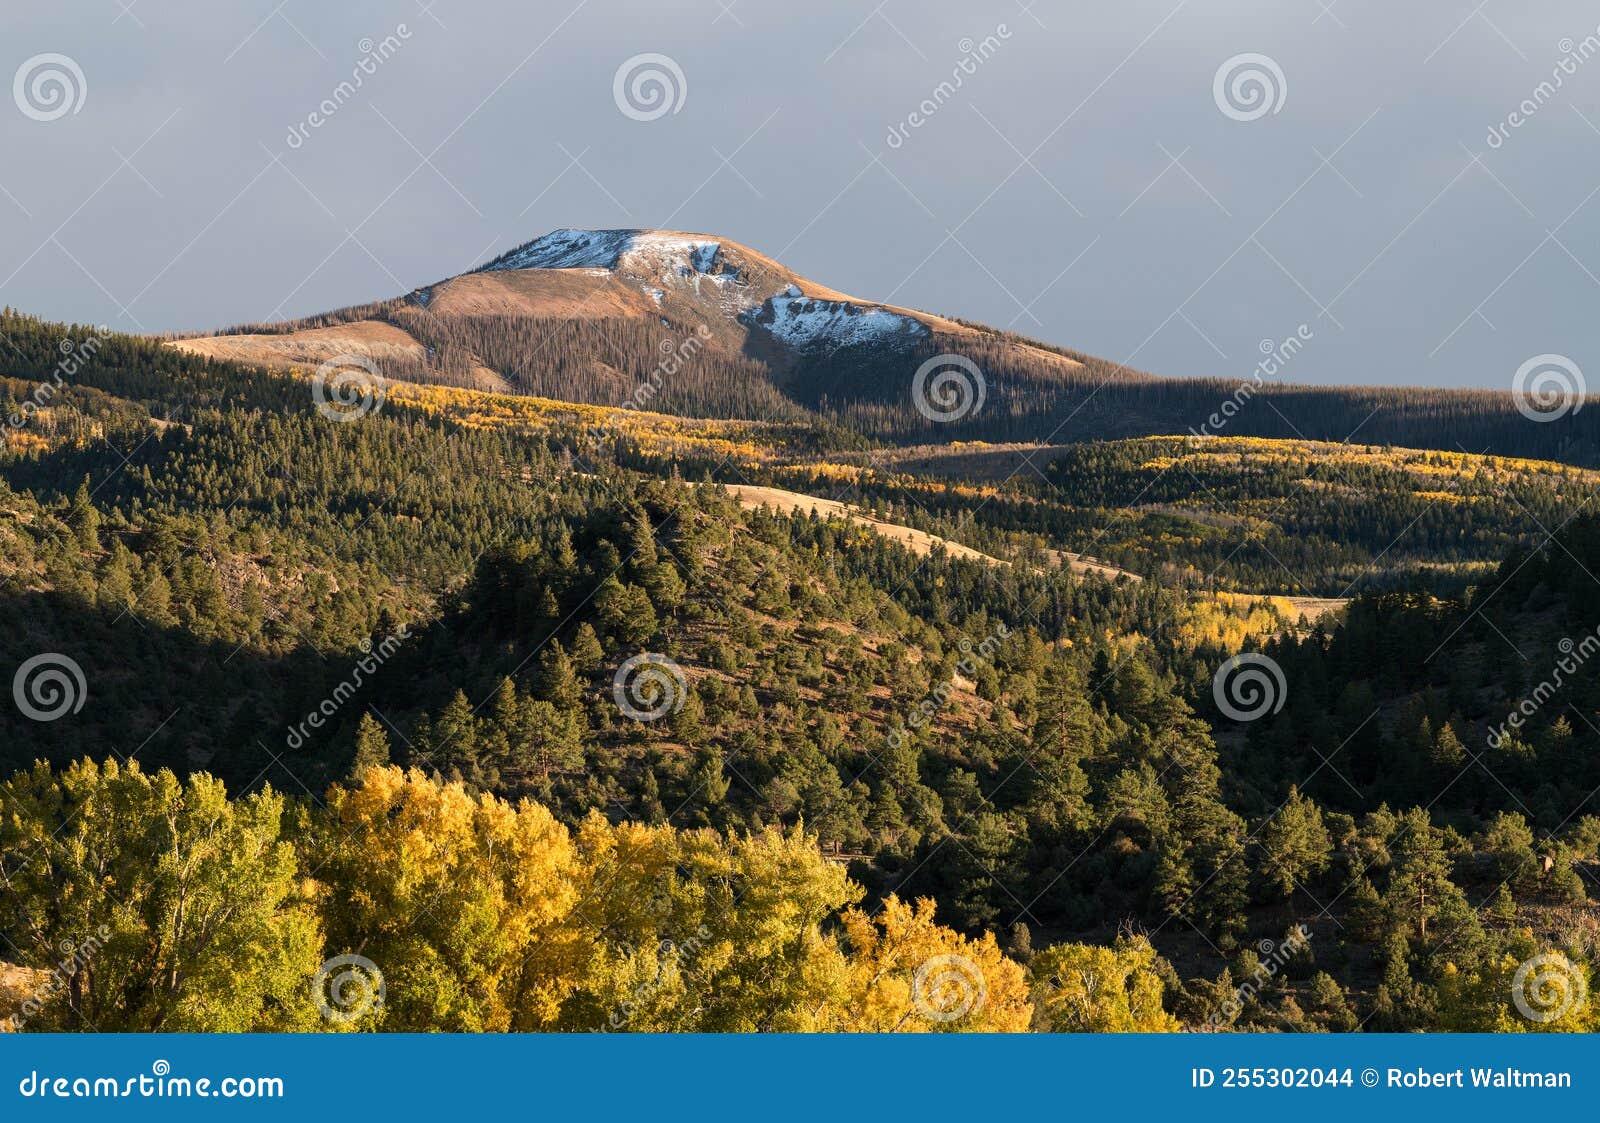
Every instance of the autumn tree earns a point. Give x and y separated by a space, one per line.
167 906
1085 988
906 973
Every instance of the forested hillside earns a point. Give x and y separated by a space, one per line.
513 700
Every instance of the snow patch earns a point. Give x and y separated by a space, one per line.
641 253
802 321
569 249
702 256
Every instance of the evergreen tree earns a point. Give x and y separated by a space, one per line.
372 746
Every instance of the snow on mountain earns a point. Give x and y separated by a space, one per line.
748 308
802 321
642 253
568 249
704 255
661 261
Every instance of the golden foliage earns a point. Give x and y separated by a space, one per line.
1082 988
484 916
908 974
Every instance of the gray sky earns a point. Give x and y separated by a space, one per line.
1083 185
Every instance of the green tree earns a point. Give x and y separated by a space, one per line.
1294 845
587 655
1083 988
372 746
556 681
183 911
1420 889
84 518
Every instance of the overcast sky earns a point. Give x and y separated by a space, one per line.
1086 184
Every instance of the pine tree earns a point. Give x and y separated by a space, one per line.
1295 845
556 681
1329 1004
455 733
689 723
587 655
1448 752
372 746
84 518
1420 888
640 542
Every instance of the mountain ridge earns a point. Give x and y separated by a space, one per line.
720 330
749 306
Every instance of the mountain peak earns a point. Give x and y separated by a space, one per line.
610 249
769 335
